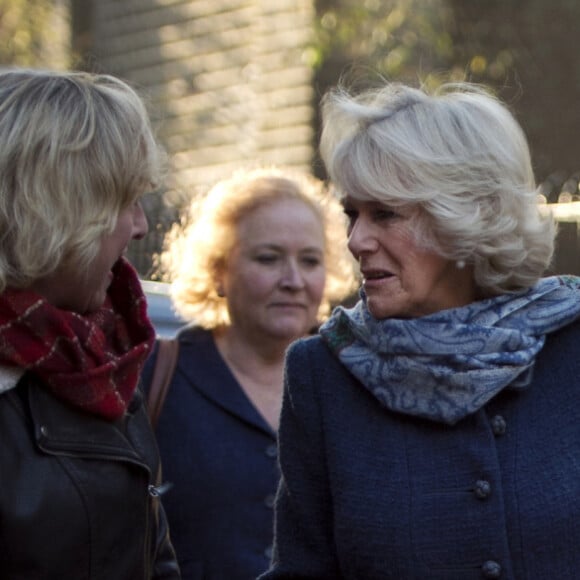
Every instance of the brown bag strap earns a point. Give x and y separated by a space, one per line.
167 351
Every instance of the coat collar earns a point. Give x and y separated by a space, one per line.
207 372
61 429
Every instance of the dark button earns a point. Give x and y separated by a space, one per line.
498 425
268 552
269 500
482 489
44 431
491 569
272 451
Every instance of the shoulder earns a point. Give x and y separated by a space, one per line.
309 355
190 340
561 350
311 365
311 346
195 342
566 338
194 334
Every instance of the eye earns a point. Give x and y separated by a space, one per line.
266 258
384 213
311 261
351 217
350 213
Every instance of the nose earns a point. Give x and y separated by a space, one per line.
140 224
361 239
292 276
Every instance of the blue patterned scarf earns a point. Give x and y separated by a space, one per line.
447 365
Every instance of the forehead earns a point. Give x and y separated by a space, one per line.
351 201
282 220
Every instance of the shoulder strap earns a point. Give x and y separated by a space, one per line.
167 351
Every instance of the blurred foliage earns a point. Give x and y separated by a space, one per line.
427 40
395 38
33 32
524 49
435 40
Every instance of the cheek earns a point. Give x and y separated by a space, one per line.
427 270
257 282
316 283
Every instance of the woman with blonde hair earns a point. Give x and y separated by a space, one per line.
257 263
431 431
79 465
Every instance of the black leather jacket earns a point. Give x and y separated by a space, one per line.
78 495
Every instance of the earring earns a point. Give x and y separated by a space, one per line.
460 264
220 291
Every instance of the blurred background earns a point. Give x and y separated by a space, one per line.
229 82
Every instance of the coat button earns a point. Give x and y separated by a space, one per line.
482 489
272 451
491 569
268 552
269 501
498 425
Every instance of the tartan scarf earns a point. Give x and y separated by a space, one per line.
90 361
447 365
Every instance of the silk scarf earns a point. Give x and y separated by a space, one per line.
447 365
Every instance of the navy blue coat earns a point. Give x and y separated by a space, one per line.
221 457
370 494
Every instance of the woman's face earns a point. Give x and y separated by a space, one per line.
274 277
400 278
84 290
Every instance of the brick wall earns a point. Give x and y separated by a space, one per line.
225 83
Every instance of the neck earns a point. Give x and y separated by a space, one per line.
246 352
258 368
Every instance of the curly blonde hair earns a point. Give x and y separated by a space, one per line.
197 248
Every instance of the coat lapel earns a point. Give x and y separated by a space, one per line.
208 373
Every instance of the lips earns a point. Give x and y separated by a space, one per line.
374 274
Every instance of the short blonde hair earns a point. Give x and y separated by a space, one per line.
197 249
75 149
456 155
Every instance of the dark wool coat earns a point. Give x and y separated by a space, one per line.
370 494
78 494
221 457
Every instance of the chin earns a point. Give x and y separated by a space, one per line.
380 313
290 333
95 303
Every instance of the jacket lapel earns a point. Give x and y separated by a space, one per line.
208 373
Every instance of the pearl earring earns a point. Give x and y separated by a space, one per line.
460 264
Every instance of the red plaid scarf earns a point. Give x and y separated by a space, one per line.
90 361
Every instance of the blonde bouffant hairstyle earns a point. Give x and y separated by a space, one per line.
197 248
75 149
458 157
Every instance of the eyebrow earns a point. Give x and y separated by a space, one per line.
276 247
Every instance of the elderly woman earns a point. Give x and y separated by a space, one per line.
256 266
78 459
432 430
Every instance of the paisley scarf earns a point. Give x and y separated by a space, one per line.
90 361
447 365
